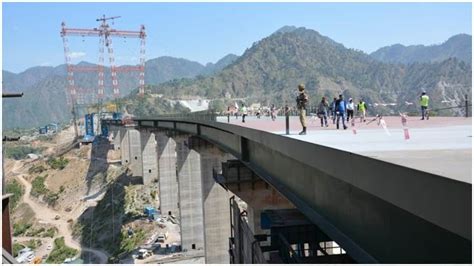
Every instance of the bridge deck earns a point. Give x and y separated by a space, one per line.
441 145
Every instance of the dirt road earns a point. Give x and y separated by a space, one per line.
48 215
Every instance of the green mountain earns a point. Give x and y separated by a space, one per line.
211 68
271 69
267 72
458 46
44 99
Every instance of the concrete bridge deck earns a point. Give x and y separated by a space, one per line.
441 145
376 210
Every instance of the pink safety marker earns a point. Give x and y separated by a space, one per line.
354 130
405 127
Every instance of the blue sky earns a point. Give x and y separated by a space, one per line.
205 32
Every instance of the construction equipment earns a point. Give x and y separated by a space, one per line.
43 130
37 260
105 34
111 107
89 135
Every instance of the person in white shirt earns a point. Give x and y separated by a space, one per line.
350 109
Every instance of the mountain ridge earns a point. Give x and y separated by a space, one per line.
266 72
273 66
459 46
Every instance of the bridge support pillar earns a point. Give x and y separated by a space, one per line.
215 203
115 133
190 194
166 151
136 165
124 146
149 157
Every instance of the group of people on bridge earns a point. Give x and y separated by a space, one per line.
339 110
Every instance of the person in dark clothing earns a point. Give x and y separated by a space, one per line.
332 109
323 111
340 111
301 102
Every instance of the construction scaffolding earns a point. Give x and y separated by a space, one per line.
82 96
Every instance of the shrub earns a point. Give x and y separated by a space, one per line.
37 186
33 243
60 252
50 232
35 232
51 198
36 169
60 163
128 244
17 190
17 247
20 228
19 152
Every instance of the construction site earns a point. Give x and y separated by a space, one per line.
77 202
202 187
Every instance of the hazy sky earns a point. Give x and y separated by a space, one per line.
205 32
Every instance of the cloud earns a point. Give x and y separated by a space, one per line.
75 55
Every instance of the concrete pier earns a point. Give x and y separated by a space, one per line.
135 150
118 135
190 194
149 157
124 146
215 202
166 152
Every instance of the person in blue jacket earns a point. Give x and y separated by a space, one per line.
340 111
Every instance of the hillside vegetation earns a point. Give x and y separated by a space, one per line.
44 88
458 46
267 72
271 69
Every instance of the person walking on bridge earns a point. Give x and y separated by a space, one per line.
301 102
273 112
243 111
332 109
424 101
361 108
350 109
341 111
323 111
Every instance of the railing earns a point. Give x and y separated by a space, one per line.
206 115
243 247
287 253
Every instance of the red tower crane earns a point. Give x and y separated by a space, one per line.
105 34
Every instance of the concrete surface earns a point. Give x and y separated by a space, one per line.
149 157
441 145
166 152
190 195
371 207
216 206
135 149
